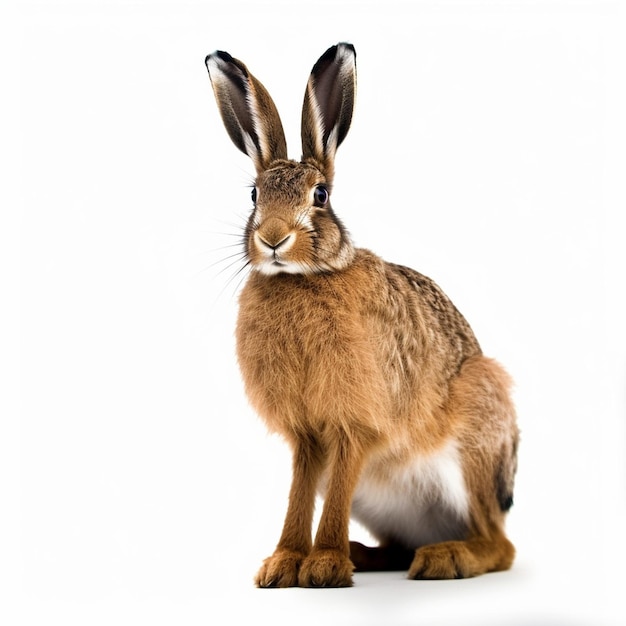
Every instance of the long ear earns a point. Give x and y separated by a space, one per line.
248 111
328 105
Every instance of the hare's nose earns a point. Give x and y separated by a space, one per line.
273 235
273 246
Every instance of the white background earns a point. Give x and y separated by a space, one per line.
487 151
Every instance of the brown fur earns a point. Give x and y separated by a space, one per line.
363 366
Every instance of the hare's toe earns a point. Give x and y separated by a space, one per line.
280 570
326 568
441 561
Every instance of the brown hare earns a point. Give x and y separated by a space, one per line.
366 368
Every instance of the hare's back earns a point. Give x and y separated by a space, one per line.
439 314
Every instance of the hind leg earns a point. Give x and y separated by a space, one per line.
480 399
462 559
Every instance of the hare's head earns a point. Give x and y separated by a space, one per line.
292 228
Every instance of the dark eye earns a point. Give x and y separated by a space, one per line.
253 195
320 195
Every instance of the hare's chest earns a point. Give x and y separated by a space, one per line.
291 325
296 351
307 363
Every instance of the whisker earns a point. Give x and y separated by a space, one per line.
227 234
233 277
230 245
245 267
227 267
238 256
214 250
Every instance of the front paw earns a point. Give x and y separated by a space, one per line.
280 569
326 568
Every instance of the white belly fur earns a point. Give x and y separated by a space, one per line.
420 503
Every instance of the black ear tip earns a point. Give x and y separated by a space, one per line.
224 56
343 51
346 46
218 54
337 53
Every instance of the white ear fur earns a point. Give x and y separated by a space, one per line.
248 112
317 119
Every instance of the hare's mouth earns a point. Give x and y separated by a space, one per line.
272 267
